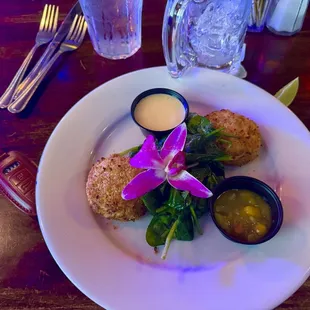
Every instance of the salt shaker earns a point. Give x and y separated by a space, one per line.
286 17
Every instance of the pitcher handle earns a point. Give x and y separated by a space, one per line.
172 39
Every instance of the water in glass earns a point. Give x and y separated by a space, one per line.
114 26
204 33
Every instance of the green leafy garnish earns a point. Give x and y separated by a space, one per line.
158 229
153 200
184 230
176 213
197 124
131 152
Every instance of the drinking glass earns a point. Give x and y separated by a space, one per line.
114 26
205 33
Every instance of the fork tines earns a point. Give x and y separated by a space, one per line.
78 29
49 18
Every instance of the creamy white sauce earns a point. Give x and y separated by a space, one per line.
159 112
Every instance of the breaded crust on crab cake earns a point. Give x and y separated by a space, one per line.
247 140
104 186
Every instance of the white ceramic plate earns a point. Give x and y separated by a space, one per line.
113 265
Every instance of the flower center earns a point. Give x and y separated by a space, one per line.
174 168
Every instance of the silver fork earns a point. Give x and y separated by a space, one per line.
47 30
72 42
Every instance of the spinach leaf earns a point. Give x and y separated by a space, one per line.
194 143
208 152
169 239
153 200
210 174
195 205
184 230
199 143
201 173
192 158
175 203
166 209
131 152
165 190
176 200
213 180
158 229
217 174
203 139
200 206
197 124
195 220
217 168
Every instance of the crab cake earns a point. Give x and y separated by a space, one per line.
247 140
104 186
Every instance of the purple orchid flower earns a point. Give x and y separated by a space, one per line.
167 164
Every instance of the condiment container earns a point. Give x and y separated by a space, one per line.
260 188
159 110
286 17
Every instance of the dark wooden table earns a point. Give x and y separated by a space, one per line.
29 277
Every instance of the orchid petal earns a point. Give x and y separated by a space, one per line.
148 157
143 183
184 181
176 164
174 143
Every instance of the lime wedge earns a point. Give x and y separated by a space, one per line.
288 93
